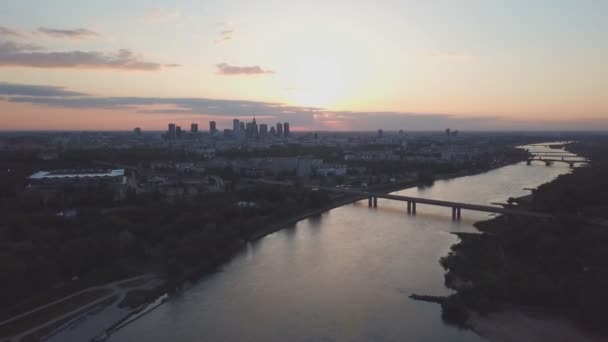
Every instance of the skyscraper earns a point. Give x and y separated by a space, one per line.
178 132
236 127
254 128
137 131
263 130
193 128
380 133
171 131
273 131
279 129
212 127
286 129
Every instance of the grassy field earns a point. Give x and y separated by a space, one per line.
51 312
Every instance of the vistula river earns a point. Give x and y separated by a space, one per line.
342 276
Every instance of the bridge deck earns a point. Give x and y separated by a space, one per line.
448 204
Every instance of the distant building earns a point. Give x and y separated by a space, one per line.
212 127
447 132
286 129
236 127
171 131
263 130
178 132
273 132
380 133
228 133
193 128
241 128
254 128
279 129
137 131
50 184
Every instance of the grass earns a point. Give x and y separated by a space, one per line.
39 317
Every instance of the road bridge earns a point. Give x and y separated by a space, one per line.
563 159
456 207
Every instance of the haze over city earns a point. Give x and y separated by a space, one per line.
339 65
341 170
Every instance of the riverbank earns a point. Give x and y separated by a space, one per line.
557 267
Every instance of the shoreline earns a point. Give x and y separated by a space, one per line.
199 273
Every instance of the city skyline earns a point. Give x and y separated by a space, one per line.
476 65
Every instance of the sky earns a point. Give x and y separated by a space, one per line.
320 65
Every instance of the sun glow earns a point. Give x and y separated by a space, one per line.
317 82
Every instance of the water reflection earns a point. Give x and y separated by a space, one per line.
342 275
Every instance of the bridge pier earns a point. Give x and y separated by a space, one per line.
455 213
369 202
572 165
375 202
409 207
413 207
547 163
528 162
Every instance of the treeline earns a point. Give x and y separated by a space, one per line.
560 265
40 251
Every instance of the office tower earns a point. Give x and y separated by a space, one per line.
249 130
447 132
380 133
279 129
286 129
254 128
273 132
137 131
212 127
193 128
236 127
178 132
263 130
171 131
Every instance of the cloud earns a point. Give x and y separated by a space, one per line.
5 31
224 36
78 33
230 70
161 15
13 89
25 55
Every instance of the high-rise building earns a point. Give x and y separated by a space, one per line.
137 131
193 128
178 132
171 131
380 133
254 128
242 128
263 130
279 129
236 127
212 127
447 132
273 131
286 129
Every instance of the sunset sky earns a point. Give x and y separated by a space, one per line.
321 65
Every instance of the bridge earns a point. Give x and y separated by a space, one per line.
455 206
563 159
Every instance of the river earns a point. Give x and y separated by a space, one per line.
344 275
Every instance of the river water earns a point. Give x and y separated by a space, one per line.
342 276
